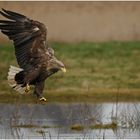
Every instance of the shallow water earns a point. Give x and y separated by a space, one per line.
54 120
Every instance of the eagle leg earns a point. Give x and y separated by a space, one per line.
39 86
29 76
27 88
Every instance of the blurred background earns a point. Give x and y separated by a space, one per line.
83 21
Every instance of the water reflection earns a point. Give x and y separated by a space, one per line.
54 120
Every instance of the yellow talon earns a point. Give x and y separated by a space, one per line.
27 88
42 99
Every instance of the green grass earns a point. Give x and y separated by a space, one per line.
99 65
95 71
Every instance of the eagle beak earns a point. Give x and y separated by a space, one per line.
63 69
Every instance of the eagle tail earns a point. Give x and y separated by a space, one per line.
11 79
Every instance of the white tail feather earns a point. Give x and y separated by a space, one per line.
11 79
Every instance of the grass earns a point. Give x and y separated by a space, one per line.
95 72
77 127
31 126
26 126
112 125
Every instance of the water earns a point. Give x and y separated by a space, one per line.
54 120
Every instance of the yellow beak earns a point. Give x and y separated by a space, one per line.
63 69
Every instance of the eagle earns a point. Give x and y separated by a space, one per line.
35 58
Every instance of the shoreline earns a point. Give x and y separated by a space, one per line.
70 96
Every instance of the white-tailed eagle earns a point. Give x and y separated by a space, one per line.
35 59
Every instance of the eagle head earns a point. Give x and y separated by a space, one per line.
56 65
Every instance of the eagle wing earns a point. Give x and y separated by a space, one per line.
29 37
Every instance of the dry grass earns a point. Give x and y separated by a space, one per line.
77 127
112 125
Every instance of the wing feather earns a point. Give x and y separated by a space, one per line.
13 15
24 32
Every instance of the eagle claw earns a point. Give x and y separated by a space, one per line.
27 88
42 99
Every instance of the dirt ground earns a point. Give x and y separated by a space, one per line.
83 21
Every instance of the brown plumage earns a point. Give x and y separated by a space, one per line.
35 59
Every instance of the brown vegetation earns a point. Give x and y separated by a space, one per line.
83 21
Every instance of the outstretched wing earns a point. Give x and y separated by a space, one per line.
28 35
